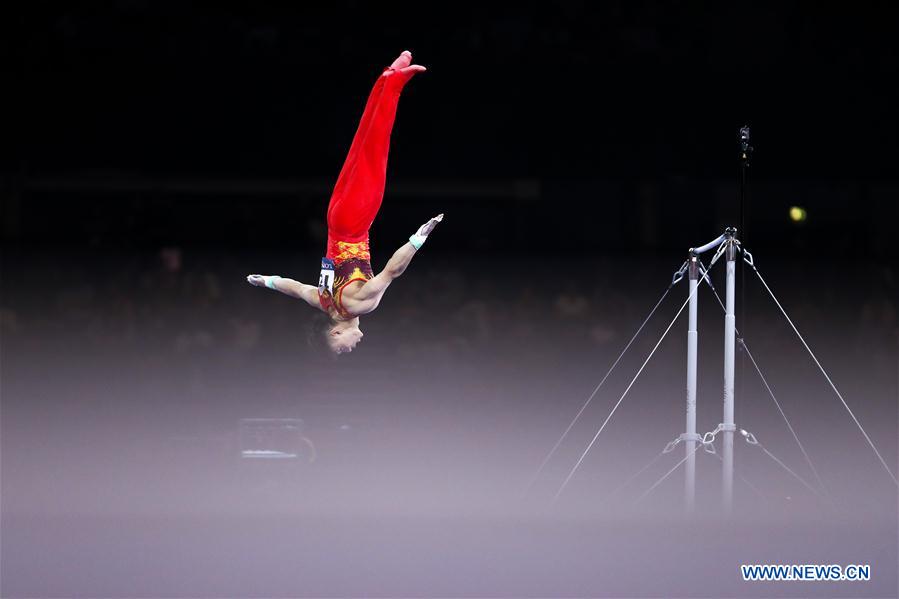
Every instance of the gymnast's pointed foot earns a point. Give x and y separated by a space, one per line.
402 68
402 61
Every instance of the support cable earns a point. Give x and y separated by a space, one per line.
751 440
758 370
648 358
743 478
634 476
748 259
667 474
677 277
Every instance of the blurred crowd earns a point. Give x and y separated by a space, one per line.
174 305
162 353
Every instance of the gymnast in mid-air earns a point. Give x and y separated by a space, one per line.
347 286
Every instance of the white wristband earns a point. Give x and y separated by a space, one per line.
418 240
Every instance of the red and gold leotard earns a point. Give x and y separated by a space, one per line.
352 262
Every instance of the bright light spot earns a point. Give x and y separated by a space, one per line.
798 214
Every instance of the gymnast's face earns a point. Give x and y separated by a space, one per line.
342 339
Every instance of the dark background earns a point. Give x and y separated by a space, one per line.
623 112
154 154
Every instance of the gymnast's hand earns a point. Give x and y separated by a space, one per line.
429 226
419 237
307 293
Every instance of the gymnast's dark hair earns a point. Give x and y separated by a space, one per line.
317 335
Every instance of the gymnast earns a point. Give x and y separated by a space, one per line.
347 286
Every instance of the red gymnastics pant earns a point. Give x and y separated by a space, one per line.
360 186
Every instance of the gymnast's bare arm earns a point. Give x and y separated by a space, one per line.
365 298
307 293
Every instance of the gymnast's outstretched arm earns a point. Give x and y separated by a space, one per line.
307 293
369 295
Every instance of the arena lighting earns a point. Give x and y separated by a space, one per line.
798 214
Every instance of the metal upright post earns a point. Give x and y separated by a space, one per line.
730 326
690 436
